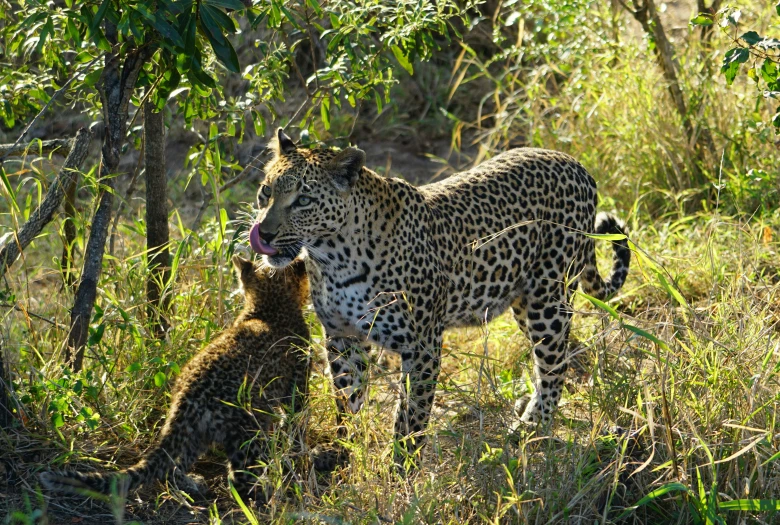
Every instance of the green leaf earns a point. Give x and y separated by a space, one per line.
670 289
48 30
607 236
224 21
73 31
289 16
162 26
96 335
56 420
316 6
101 12
646 335
222 48
402 59
92 77
751 38
777 8
701 19
170 81
601 304
198 77
731 62
248 513
9 189
325 112
160 379
776 120
751 505
769 71
236 5
657 493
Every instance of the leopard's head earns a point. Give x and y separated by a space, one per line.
303 199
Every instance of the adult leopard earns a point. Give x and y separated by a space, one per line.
395 265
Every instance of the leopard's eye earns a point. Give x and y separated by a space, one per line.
266 191
303 200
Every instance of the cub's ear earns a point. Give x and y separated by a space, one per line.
281 144
345 167
241 265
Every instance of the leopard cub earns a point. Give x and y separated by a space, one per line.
263 356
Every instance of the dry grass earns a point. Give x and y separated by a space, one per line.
716 367
719 375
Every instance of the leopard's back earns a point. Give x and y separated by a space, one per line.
508 222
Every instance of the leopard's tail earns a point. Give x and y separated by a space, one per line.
156 465
592 282
87 482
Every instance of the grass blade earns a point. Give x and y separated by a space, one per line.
657 493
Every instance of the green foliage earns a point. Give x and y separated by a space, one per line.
704 505
353 45
695 322
761 54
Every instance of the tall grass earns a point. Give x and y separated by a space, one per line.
672 399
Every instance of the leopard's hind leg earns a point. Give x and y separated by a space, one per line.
548 321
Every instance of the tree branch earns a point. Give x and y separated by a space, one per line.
60 146
49 103
116 88
156 219
45 212
699 139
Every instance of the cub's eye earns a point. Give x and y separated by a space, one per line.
266 190
303 200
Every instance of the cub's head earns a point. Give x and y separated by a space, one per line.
268 290
304 198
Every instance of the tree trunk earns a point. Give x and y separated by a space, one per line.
156 219
116 88
6 411
698 139
44 213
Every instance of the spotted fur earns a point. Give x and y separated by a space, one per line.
395 265
264 353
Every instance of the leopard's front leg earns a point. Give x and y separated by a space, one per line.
420 372
348 358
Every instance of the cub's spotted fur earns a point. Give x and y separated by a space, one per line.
263 352
395 265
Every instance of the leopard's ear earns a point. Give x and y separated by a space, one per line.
345 167
281 144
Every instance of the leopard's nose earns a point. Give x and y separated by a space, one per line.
266 236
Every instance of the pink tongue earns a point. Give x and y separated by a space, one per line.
258 244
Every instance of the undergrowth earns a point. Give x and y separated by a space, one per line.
671 409
694 327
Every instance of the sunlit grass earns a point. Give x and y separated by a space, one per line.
719 375
716 367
